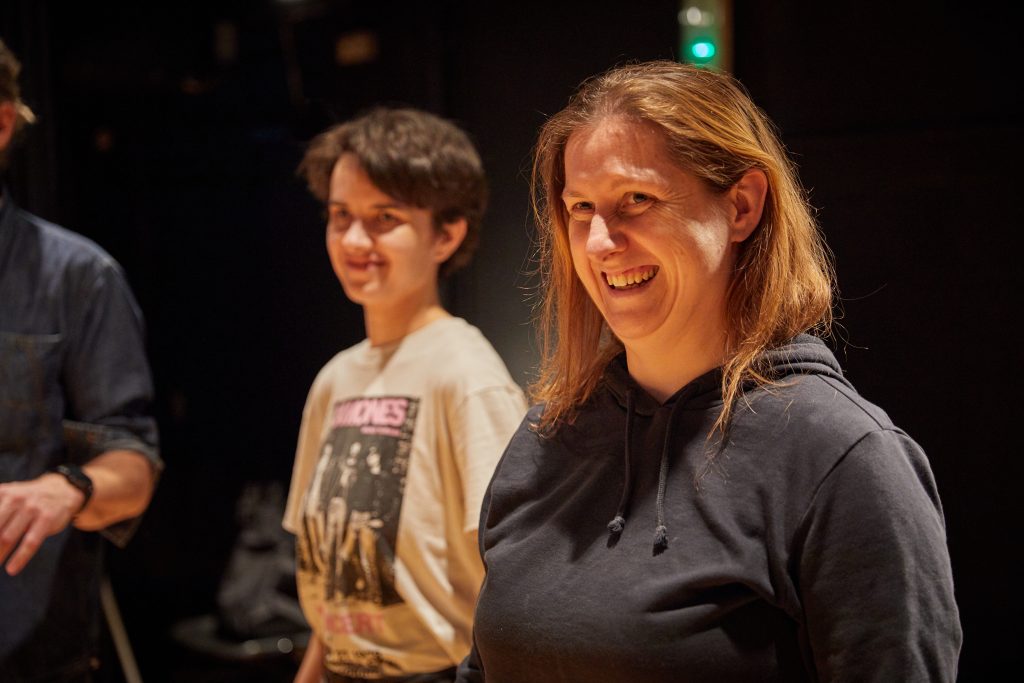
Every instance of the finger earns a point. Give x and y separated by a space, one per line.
30 543
11 533
7 505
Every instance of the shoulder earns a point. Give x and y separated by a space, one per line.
68 280
458 358
523 460
793 436
463 342
339 365
330 381
814 409
60 249
886 455
810 391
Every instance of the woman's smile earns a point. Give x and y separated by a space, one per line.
633 278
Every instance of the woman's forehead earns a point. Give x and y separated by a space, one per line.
617 148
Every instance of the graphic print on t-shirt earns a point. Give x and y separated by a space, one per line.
346 547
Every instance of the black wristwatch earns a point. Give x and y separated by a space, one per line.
77 478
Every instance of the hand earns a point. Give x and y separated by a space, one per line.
32 511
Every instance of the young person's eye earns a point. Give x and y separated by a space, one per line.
337 216
384 221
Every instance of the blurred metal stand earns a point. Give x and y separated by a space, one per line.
118 633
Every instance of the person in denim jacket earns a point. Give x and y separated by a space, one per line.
78 441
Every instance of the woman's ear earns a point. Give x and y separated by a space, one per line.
746 199
449 238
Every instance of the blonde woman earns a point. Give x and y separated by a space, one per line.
699 494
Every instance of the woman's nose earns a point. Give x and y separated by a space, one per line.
602 240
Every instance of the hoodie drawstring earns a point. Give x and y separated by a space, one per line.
660 530
619 521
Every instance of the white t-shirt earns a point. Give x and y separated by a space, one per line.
396 449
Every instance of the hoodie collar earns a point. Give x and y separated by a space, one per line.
701 392
805 354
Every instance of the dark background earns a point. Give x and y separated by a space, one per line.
177 152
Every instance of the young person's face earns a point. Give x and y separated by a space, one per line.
652 245
385 253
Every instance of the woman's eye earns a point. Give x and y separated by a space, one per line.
580 210
635 202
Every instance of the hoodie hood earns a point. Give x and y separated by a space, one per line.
804 355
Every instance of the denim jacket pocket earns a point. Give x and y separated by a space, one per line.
29 371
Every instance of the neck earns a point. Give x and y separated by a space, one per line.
385 326
664 370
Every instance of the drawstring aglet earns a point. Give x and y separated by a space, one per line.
660 538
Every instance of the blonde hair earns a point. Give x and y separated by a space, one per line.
783 279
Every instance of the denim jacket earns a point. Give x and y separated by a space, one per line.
74 382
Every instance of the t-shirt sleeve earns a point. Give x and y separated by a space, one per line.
486 421
874 571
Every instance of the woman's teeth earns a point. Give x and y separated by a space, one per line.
631 279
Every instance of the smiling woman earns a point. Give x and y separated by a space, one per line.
695 126
771 523
655 248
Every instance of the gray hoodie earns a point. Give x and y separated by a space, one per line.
812 548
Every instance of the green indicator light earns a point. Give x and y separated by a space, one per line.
703 50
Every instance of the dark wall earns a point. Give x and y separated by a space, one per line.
178 155
907 124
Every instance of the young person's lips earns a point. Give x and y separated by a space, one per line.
362 264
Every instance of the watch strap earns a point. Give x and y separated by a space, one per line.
77 478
